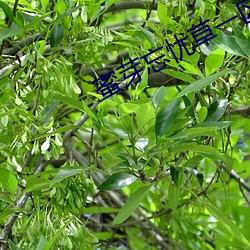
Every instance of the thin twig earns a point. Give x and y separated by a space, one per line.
148 14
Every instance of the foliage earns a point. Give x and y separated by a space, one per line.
160 165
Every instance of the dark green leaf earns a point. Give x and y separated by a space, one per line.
174 172
7 10
117 181
216 110
56 35
166 117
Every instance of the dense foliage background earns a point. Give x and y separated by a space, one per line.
163 164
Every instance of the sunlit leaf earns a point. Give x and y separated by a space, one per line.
117 181
8 180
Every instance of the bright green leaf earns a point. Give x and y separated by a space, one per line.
214 61
8 180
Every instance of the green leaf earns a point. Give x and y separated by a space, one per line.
158 97
219 125
9 211
197 85
144 34
174 172
202 114
49 244
173 196
66 172
41 243
162 12
228 43
34 184
117 181
49 110
190 68
227 223
13 246
7 10
166 117
8 180
128 108
70 101
193 132
216 110
142 84
132 203
98 210
44 3
6 33
179 75
56 35
198 175
214 61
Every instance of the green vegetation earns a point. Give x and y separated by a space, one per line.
163 164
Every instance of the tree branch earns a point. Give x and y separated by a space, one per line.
129 5
236 177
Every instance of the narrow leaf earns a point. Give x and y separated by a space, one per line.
49 244
173 196
229 224
197 85
7 10
117 181
64 173
132 203
158 97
